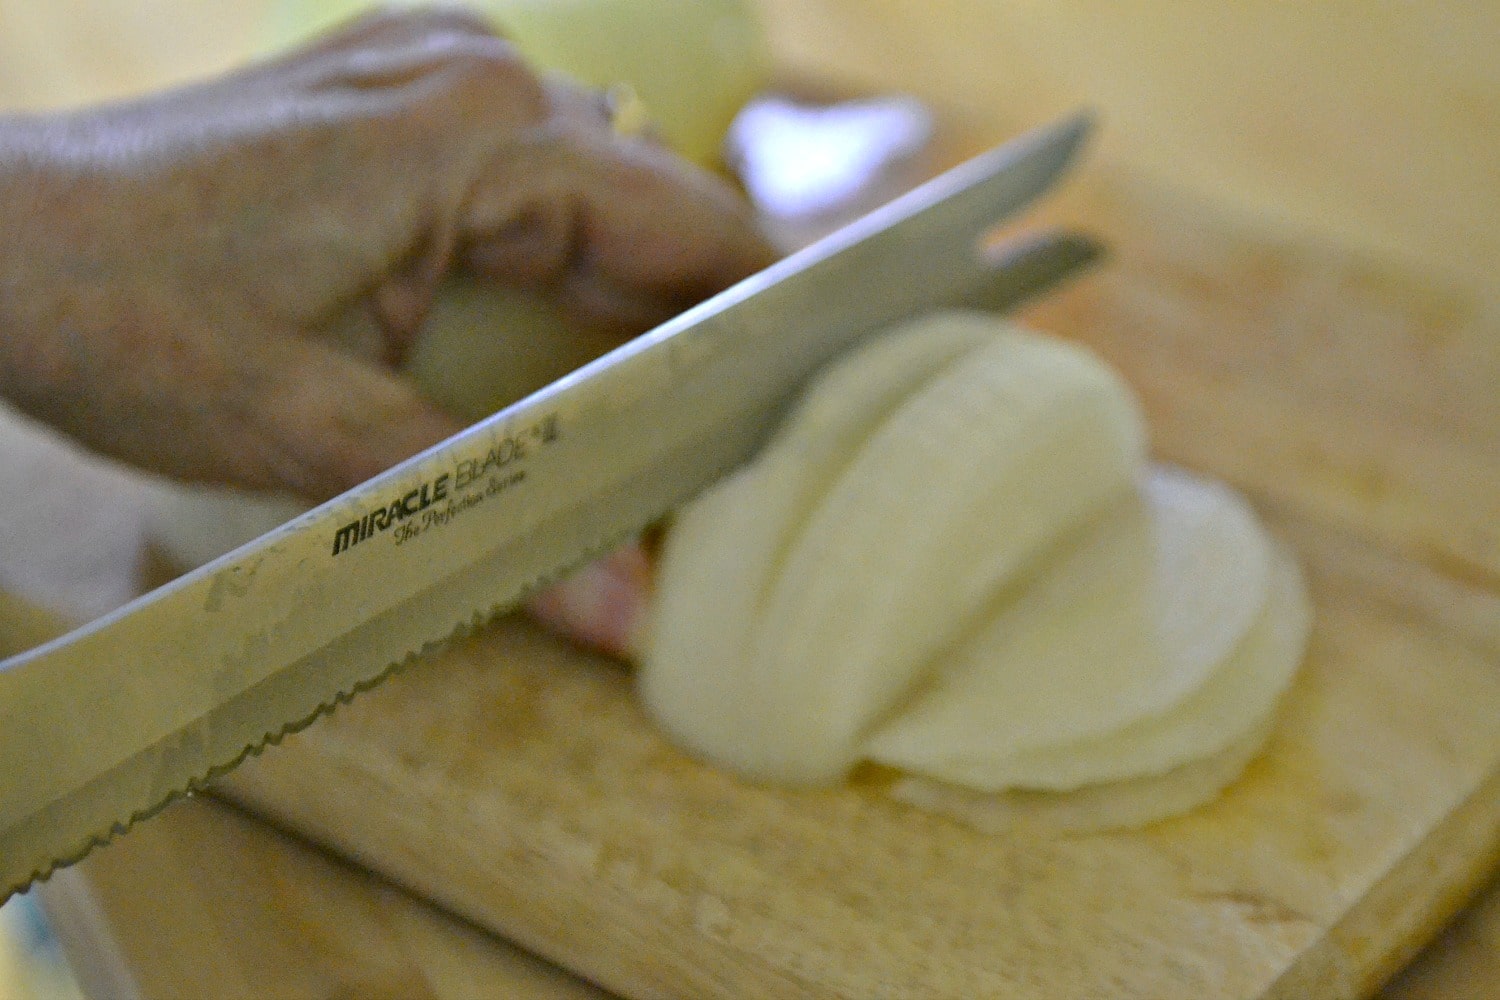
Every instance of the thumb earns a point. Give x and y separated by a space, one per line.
321 421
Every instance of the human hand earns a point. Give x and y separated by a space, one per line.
217 283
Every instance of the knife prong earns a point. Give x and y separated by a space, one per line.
1027 265
948 220
1046 153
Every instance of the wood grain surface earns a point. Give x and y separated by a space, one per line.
212 903
523 789
1373 126
515 782
226 870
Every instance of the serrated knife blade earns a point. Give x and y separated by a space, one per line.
111 722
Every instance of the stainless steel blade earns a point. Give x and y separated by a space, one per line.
110 723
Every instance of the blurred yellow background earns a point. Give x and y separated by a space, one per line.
1377 125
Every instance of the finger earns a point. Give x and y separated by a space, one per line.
318 422
379 51
651 219
656 235
601 606
353 45
648 217
439 56
620 227
400 27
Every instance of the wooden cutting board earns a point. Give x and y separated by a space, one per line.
516 782
1357 403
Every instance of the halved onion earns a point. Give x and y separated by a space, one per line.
1122 659
849 575
953 559
731 542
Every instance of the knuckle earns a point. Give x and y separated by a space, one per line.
449 17
439 78
485 59
487 76
426 20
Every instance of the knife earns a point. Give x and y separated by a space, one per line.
110 723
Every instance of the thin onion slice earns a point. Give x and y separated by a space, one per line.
1122 624
1237 696
1126 803
724 549
1245 689
857 566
